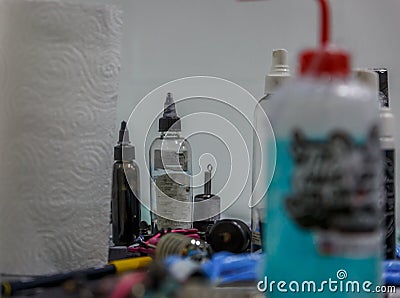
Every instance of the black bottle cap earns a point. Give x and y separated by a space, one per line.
170 120
124 150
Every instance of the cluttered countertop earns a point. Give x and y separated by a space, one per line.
323 195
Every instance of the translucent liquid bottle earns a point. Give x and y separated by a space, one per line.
278 75
170 170
323 202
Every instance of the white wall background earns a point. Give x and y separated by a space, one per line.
170 39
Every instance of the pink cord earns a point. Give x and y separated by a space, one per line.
192 233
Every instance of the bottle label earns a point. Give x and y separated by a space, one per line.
173 195
256 238
389 203
170 160
335 192
323 208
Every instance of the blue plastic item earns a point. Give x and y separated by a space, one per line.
226 267
391 266
392 278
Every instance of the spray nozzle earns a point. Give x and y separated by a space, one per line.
279 61
279 71
170 120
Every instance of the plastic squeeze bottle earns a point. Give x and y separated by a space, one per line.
323 236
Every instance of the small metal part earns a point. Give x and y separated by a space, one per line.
207 212
207 180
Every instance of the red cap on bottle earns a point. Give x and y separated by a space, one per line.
325 61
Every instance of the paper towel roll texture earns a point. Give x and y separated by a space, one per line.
59 66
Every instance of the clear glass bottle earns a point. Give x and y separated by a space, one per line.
125 205
260 178
170 171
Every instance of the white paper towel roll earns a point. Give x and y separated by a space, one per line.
59 65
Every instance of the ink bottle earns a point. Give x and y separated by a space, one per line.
170 170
